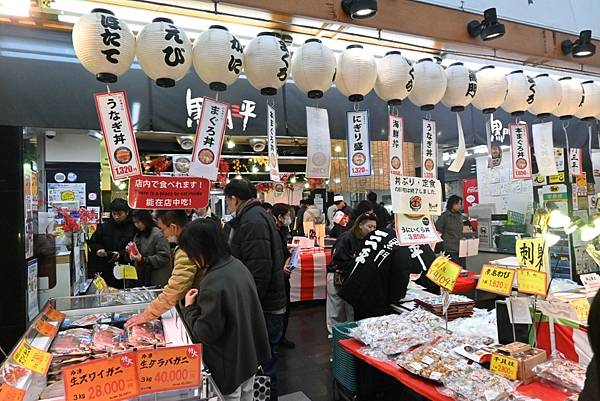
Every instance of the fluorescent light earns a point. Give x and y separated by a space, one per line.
17 8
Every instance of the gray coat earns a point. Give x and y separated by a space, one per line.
450 226
228 321
156 267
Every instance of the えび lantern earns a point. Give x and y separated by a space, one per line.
395 78
461 87
313 68
491 89
266 62
218 57
430 84
356 73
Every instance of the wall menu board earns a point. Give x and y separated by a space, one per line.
496 186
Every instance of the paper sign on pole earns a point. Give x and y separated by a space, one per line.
496 280
415 230
319 143
121 148
520 151
429 150
209 139
444 273
543 145
414 195
272 144
169 368
576 162
125 272
532 282
530 253
396 146
31 358
504 366
359 143
161 192
590 281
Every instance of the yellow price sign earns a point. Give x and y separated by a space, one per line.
530 253
504 366
32 358
532 282
497 280
444 273
100 283
582 309
125 272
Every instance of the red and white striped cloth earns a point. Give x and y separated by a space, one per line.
309 279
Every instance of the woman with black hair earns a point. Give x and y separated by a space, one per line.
450 226
224 314
153 260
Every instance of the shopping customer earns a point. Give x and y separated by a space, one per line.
345 251
340 224
184 276
224 314
108 244
281 213
450 226
340 204
153 259
254 240
383 217
299 221
362 207
591 390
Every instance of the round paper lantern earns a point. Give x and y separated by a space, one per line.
164 52
591 102
266 62
491 89
461 87
547 96
571 99
313 68
218 57
430 84
356 73
395 78
521 93
103 44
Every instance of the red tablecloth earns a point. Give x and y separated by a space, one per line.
309 279
427 389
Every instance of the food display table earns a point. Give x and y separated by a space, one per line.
309 279
429 390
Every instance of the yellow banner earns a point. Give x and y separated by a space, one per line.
444 273
530 253
532 282
504 366
32 358
497 280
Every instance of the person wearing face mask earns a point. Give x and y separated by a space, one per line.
184 276
153 256
108 244
345 251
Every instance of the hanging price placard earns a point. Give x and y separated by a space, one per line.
53 314
359 143
429 150
496 280
44 327
532 282
125 272
9 393
169 368
504 366
32 358
444 273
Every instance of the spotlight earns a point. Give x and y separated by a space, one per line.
230 144
558 219
293 180
489 28
576 223
95 134
337 149
360 9
552 239
185 142
582 47
307 185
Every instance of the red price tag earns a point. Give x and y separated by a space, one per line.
170 368
9 393
110 379
44 327
53 314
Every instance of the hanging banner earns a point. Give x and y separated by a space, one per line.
460 152
272 143
414 195
470 194
318 161
576 162
115 121
520 151
209 139
415 230
543 146
497 138
359 144
161 192
429 150
396 146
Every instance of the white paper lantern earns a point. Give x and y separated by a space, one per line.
547 96
356 73
164 52
430 84
461 87
313 68
591 102
521 93
218 57
103 44
266 62
395 78
491 89
571 98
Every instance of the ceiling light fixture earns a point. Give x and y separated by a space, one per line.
337 149
360 9
489 28
95 134
230 144
582 47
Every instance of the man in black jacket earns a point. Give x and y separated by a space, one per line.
254 240
383 217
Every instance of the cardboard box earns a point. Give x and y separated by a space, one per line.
527 356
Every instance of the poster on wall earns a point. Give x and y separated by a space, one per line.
470 194
543 145
32 289
429 150
318 161
272 145
415 230
67 192
121 147
415 195
359 144
520 151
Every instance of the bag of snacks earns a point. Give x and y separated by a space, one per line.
562 373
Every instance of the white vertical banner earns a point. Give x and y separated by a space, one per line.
209 139
520 151
359 144
543 146
272 143
396 146
576 162
121 148
429 150
457 164
319 143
